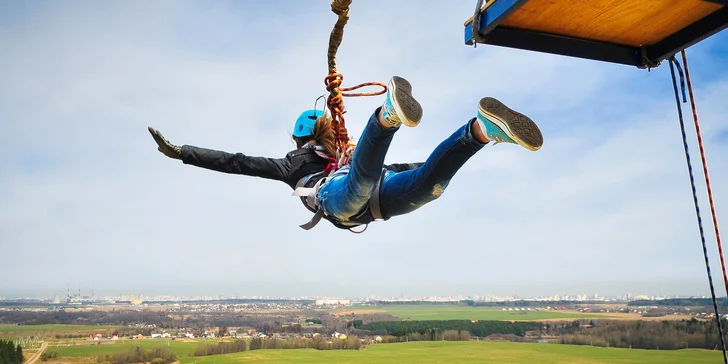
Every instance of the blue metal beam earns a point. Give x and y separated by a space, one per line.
690 35
563 46
492 17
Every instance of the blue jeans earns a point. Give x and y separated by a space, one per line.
344 196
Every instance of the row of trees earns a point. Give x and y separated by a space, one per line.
139 355
706 302
224 347
662 335
236 346
349 343
10 353
430 335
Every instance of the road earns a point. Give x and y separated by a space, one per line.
37 355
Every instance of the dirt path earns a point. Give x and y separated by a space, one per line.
37 355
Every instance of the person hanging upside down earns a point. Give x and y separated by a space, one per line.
366 189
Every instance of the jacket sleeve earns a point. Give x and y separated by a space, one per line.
237 163
400 167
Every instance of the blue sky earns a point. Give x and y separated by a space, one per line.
85 199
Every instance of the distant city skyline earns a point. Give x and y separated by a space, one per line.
605 206
556 295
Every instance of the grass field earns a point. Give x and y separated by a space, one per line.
179 347
465 352
414 352
452 312
49 331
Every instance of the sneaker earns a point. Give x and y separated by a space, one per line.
400 107
504 125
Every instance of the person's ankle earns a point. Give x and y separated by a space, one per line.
383 120
479 132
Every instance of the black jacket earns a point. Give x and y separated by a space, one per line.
289 169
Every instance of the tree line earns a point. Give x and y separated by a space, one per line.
430 335
662 335
706 302
223 347
139 355
10 353
318 343
349 343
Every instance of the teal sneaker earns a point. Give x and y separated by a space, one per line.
400 107
504 125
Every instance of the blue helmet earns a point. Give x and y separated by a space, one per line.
305 123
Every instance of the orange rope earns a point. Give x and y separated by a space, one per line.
335 101
705 169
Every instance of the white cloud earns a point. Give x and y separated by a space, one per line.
604 206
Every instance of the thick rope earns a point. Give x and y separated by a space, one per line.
695 200
335 101
705 168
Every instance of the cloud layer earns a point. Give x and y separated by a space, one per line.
85 199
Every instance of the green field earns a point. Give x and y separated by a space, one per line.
81 349
452 312
416 352
465 352
49 331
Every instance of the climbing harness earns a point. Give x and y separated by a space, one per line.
309 196
676 64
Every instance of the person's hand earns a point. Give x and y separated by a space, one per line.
167 148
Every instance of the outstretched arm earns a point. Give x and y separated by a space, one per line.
237 163
234 163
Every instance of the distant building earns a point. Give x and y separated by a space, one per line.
332 302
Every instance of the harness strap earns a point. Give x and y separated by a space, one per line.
374 206
310 195
309 192
314 220
321 152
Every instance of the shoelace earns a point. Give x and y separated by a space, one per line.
498 140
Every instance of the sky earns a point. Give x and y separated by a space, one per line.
86 200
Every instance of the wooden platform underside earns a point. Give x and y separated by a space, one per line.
628 22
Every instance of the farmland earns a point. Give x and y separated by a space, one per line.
415 352
461 312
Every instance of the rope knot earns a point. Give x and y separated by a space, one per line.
341 7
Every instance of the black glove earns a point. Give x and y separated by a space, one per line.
167 148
